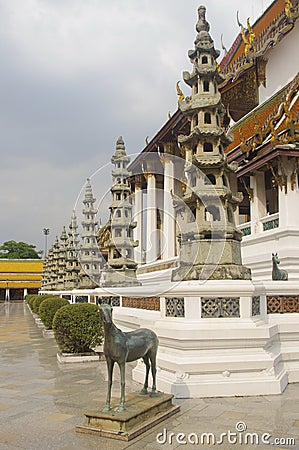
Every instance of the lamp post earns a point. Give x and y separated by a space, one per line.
46 232
7 292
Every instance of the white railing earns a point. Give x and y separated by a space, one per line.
270 222
245 228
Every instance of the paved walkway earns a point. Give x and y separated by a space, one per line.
41 402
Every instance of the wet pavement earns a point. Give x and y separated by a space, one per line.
41 402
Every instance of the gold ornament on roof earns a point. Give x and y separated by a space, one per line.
179 92
146 140
288 9
248 36
222 45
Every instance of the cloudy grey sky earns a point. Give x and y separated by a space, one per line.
76 74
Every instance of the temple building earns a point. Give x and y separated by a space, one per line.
260 114
19 277
199 217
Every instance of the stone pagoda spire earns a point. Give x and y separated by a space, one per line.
120 269
72 263
61 264
53 265
89 253
209 239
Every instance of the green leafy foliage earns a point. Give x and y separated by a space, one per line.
48 309
78 328
18 250
29 299
37 300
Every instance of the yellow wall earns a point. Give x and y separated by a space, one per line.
20 273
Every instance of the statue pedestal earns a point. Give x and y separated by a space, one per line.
142 413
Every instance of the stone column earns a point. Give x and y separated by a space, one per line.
7 294
138 218
151 219
257 202
288 196
168 240
25 292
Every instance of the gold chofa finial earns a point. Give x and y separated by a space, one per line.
251 33
179 92
222 45
169 115
146 140
288 9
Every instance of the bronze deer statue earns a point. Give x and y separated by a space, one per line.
121 347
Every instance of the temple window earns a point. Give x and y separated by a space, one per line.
206 86
207 147
195 120
196 88
86 266
192 215
194 150
212 213
204 60
117 232
95 267
207 117
193 180
87 240
210 179
118 180
118 213
215 88
128 253
126 213
118 196
217 120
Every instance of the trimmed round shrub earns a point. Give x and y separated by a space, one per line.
48 309
29 298
35 304
78 328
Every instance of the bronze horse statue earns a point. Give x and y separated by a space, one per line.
121 347
278 274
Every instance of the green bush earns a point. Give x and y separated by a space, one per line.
48 308
78 328
35 304
31 299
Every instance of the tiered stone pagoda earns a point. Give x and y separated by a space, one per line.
61 264
72 263
89 255
120 269
209 239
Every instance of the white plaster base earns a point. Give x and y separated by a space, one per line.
218 361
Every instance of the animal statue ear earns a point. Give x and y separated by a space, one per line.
272 254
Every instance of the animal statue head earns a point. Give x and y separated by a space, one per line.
275 258
105 311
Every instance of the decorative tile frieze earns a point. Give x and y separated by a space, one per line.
110 300
175 307
256 305
220 307
149 303
282 304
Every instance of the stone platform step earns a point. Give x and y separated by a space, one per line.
142 413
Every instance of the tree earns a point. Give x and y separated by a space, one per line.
18 250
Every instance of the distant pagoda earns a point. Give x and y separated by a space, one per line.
120 269
72 263
61 263
209 239
89 255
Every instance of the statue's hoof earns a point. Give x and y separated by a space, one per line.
120 408
153 394
143 391
106 409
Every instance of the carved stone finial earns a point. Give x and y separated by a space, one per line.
202 24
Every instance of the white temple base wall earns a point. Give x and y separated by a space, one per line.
253 353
